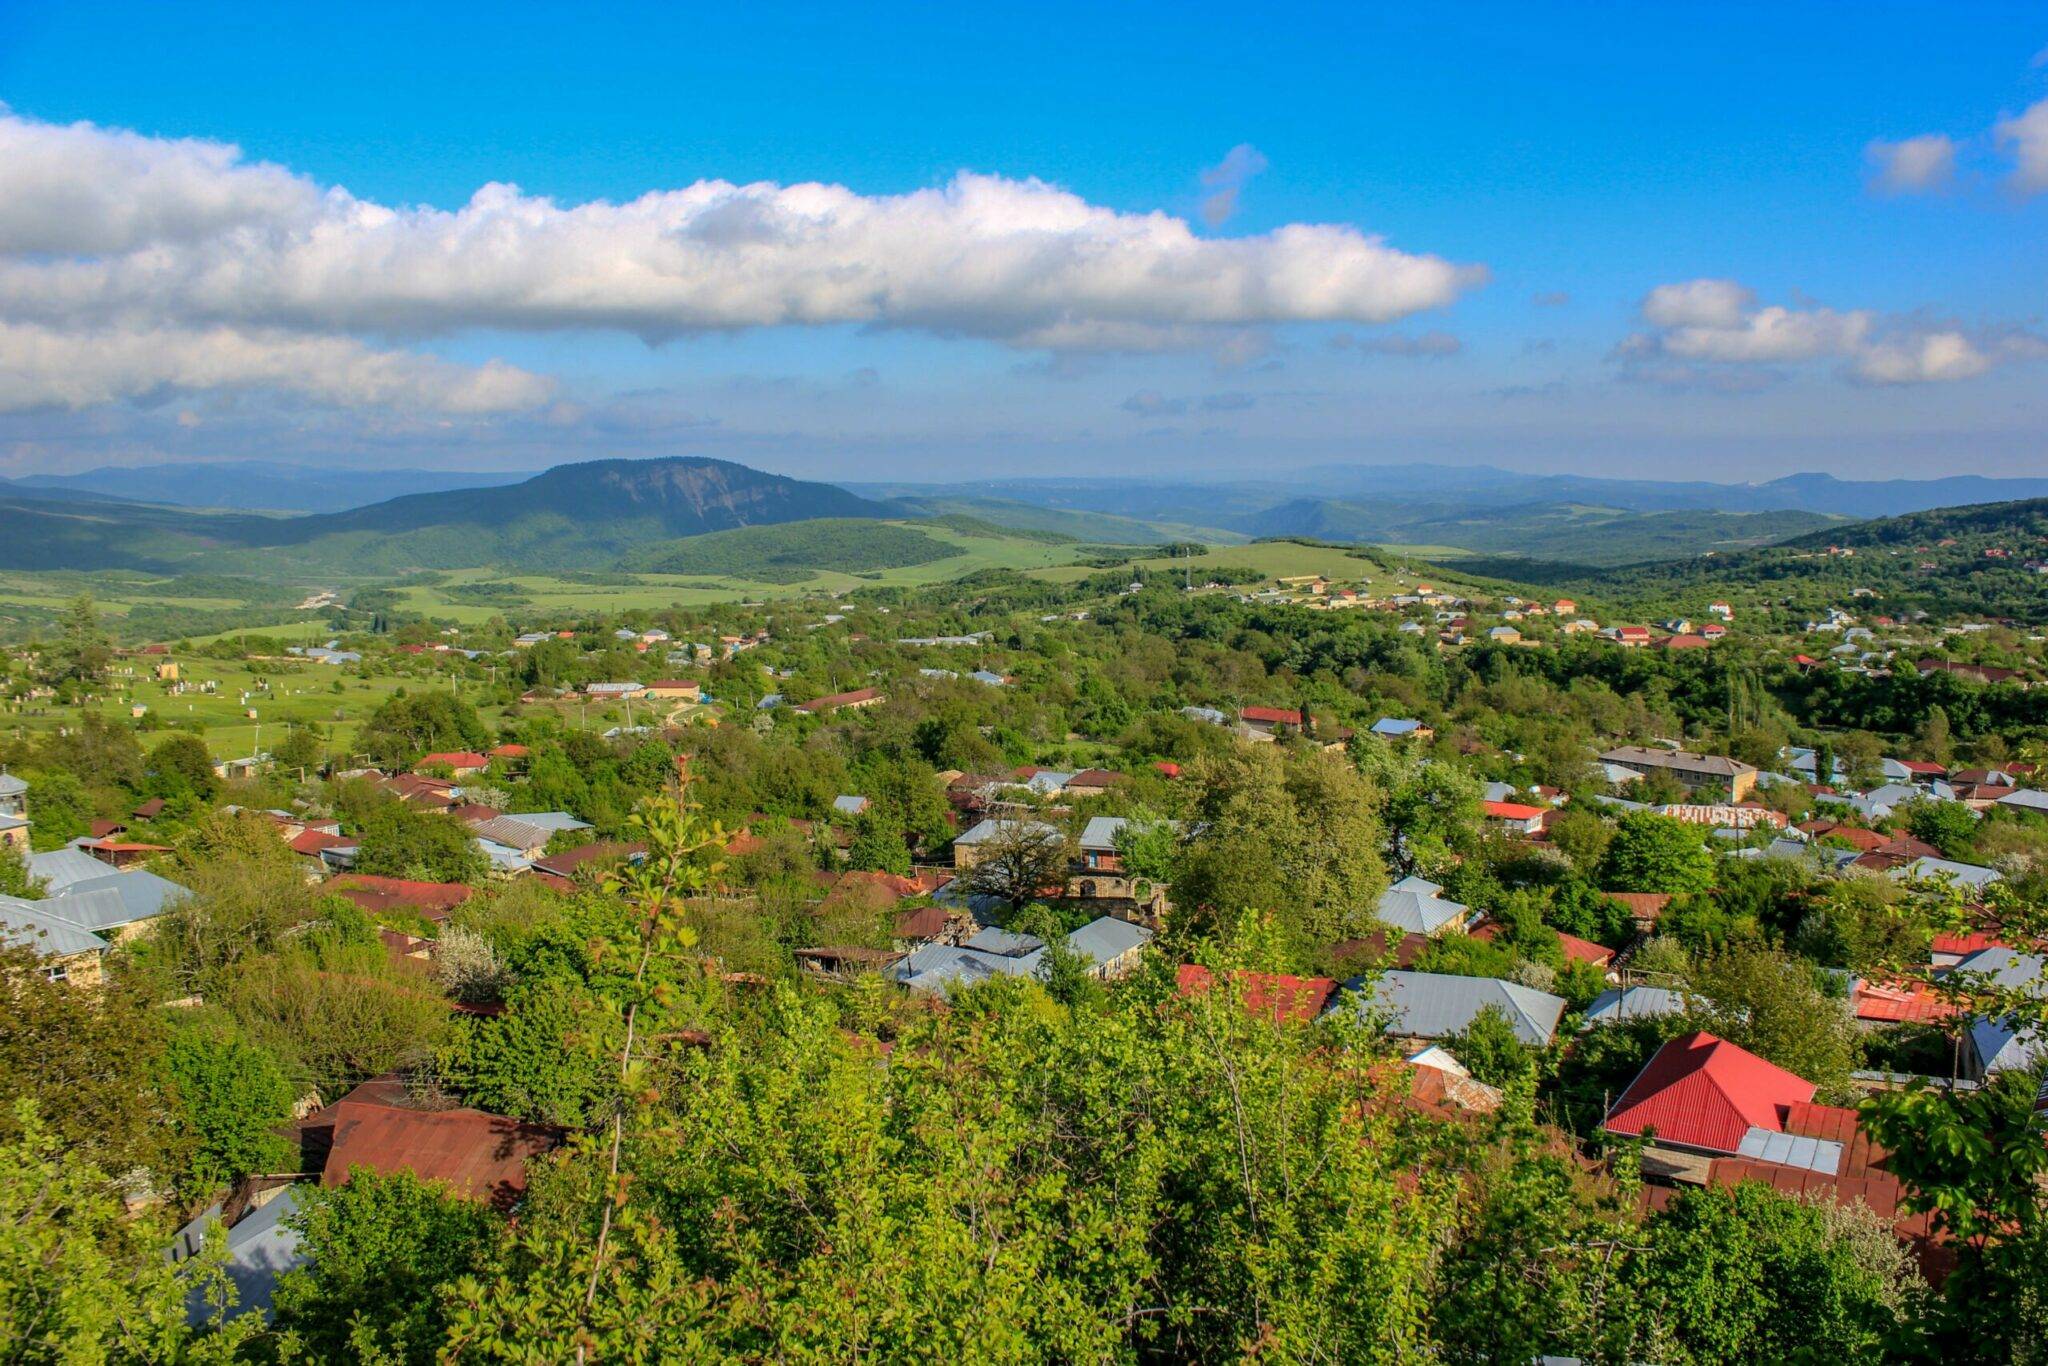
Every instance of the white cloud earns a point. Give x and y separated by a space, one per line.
2026 137
1923 359
46 368
1697 303
201 238
1918 165
1716 323
1240 165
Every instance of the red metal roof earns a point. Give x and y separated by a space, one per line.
1279 995
511 752
1963 945
456 758
1512 811
373 893
1641 905
311 842
1899 1003
926 922
480 1156
1704 1092
1279 716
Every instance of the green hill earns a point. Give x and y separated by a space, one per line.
795 551
1577 532
1947 562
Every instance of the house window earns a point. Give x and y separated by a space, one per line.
57 973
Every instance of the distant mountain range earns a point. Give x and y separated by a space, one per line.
569 517
598 514
262 485
1479 509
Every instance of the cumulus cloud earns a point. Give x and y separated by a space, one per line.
1227 179
42 367
103 231
1698 324
2025 136
1697 303
1920 165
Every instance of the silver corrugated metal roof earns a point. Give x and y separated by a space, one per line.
1106 939
57 869
32 925
1429 1005
1418 912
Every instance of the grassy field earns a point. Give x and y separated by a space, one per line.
1283 559
297 695
548 593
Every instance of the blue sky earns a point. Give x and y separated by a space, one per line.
1537 175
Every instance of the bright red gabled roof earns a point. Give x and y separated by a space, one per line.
1512 811
1704 1092
1281 716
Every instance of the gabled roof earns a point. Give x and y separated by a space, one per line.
1272 716
1704 1092
1413 907
33 925
455 758
58 869
1633 1003
109 899
2002 1043
1429 1005
986 830
481 1156
1106 939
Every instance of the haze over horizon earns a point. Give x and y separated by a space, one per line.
1008 244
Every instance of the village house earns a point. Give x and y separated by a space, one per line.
460 763
1687 768
1267 722
675 690
841 701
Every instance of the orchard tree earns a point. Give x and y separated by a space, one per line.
181 766
1653 853
83 1281
1950 827
228 1102
379 1251
1020 860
